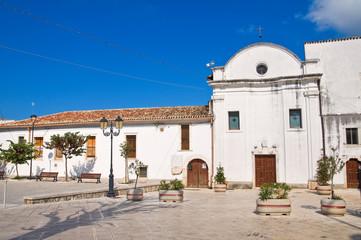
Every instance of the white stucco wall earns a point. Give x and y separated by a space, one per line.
340 61
155 148
263 103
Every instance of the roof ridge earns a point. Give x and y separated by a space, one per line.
335 40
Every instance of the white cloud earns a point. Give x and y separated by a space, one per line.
249 29
342 15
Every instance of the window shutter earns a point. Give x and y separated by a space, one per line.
185 137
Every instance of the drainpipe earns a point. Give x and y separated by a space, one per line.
212 140
322 122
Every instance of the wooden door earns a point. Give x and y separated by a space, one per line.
352 167
265 169
197 174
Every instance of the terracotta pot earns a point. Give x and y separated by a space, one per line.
220 187
171 195
324 190
273 207
135 194
333 207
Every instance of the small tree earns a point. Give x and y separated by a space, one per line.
18 153
71 144
125 149
134 168
322 172
220 178
335 167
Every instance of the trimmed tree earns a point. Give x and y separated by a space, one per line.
125 149
336 165
71 144
18 153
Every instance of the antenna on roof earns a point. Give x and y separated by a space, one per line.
210 65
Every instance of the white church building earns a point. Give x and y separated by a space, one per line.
270 118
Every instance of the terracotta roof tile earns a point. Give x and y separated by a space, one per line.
155 114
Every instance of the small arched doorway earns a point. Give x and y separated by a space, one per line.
197 174
352 171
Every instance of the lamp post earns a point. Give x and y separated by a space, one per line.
118 125
33 119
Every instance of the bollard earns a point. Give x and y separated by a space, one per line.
5 189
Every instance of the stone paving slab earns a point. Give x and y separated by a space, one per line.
204 214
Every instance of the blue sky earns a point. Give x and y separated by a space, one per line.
186 34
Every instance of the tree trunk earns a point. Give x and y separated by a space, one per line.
136 181
66 169
17 171
126 177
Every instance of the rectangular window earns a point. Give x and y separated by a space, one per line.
21 139
295 118
58 154
91 147
351 136
143 171
185 137
39 146
132 140
233 120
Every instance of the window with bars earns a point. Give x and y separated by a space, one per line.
132 140
295 118
39 141
351 136
143 171
21 139
185 137
91 147
233 120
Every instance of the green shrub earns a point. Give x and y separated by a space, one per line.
322 171
220 178
274 191
173 185
176 184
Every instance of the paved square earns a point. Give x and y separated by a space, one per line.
203 215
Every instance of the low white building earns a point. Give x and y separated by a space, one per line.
165 139
272 116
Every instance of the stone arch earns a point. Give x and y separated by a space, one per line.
197 173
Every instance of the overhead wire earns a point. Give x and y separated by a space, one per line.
102 70
102 41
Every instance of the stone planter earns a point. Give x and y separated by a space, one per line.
135 194
324 190
220 187
333 207
273 207
170 195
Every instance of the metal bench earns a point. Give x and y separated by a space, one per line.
2 173
42 175
89 176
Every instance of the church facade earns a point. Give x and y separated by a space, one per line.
270 118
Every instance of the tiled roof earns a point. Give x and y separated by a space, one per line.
334 40
156 114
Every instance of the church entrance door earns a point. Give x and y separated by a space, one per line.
265 169
352 173
197 174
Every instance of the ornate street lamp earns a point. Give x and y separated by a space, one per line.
118 125
33 119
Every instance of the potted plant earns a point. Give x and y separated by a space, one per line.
273 199
334 205
135 194
323 176
220 180
171 192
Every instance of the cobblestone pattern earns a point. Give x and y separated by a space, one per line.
204 214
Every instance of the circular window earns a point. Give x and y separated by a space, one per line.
262 69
